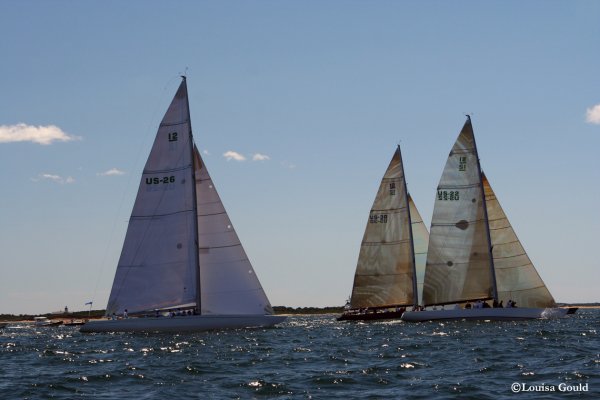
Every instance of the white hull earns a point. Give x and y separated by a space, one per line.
182 324
494 314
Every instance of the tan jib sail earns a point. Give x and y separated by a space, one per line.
459 263
420 243
385 273
516 277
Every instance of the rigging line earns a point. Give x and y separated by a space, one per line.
152 216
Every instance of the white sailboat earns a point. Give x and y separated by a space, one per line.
392 252
474 255
182 266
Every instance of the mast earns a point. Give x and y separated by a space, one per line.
487 221
194 203
410 234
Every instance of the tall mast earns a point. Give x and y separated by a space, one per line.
194 202
487 221
410 234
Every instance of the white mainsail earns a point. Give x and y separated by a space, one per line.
516 277
459 262
385 272
157 264
180 249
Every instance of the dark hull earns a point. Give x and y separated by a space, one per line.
370 316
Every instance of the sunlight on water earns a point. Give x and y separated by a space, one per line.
305 357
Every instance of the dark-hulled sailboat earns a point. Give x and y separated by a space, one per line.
392 252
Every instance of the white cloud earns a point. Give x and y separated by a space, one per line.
260 157
44 135
233 155
54 178
206 152
592 115
111 172
287 164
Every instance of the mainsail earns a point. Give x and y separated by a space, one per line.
516 277
385 273
459 261
180 249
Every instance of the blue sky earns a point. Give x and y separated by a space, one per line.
326 90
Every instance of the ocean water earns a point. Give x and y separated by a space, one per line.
310 357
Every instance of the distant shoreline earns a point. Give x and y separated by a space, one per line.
278 310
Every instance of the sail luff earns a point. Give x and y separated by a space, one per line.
487 222
410 232
194 202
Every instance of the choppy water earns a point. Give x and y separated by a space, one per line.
308 357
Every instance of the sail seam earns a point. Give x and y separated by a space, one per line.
505 257
522 290
453 224
461 151
385 244
162 171
468 186
226 262
174 123
502 244
159 215
219 247
211 214
516 266
500 228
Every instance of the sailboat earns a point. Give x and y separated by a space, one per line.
182 266
391 254
474 256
